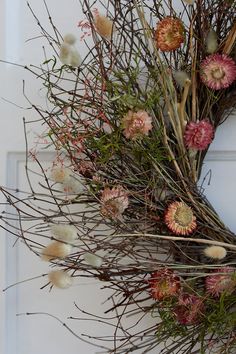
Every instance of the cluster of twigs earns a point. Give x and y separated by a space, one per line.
124 71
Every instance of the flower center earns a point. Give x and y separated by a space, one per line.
170 36
218 73
137 125
183 216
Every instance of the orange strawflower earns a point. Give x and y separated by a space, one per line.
180 219
169 34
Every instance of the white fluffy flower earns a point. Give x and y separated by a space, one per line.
65 53
60 174
60 279
69 56
211 42
69 38
181 77
215 252
75 59
67 233
93 260
72 185
56 250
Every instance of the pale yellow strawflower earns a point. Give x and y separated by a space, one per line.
104 26
215 252
56 250
60 279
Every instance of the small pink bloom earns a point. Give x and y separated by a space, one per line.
198 135
220 281
218 71
114 202
136 124
189 310
164 283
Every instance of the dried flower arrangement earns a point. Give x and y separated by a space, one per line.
133 130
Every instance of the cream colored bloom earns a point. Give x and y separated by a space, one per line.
60 174
60 279
56 250
215 252
67 233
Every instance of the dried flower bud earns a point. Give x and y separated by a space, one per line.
104 26
93 260
181 77
65 233
189 2
69 39
211 42
215 252
60 279
65 53
60 174
56 250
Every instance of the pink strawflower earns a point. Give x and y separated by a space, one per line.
198 135
220 281
218 71
189 310
136 124
164 283
114 202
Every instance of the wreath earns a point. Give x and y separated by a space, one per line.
130 125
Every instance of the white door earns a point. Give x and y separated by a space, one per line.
21 334
35 334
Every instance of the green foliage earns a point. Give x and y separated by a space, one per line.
106 146
221 314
